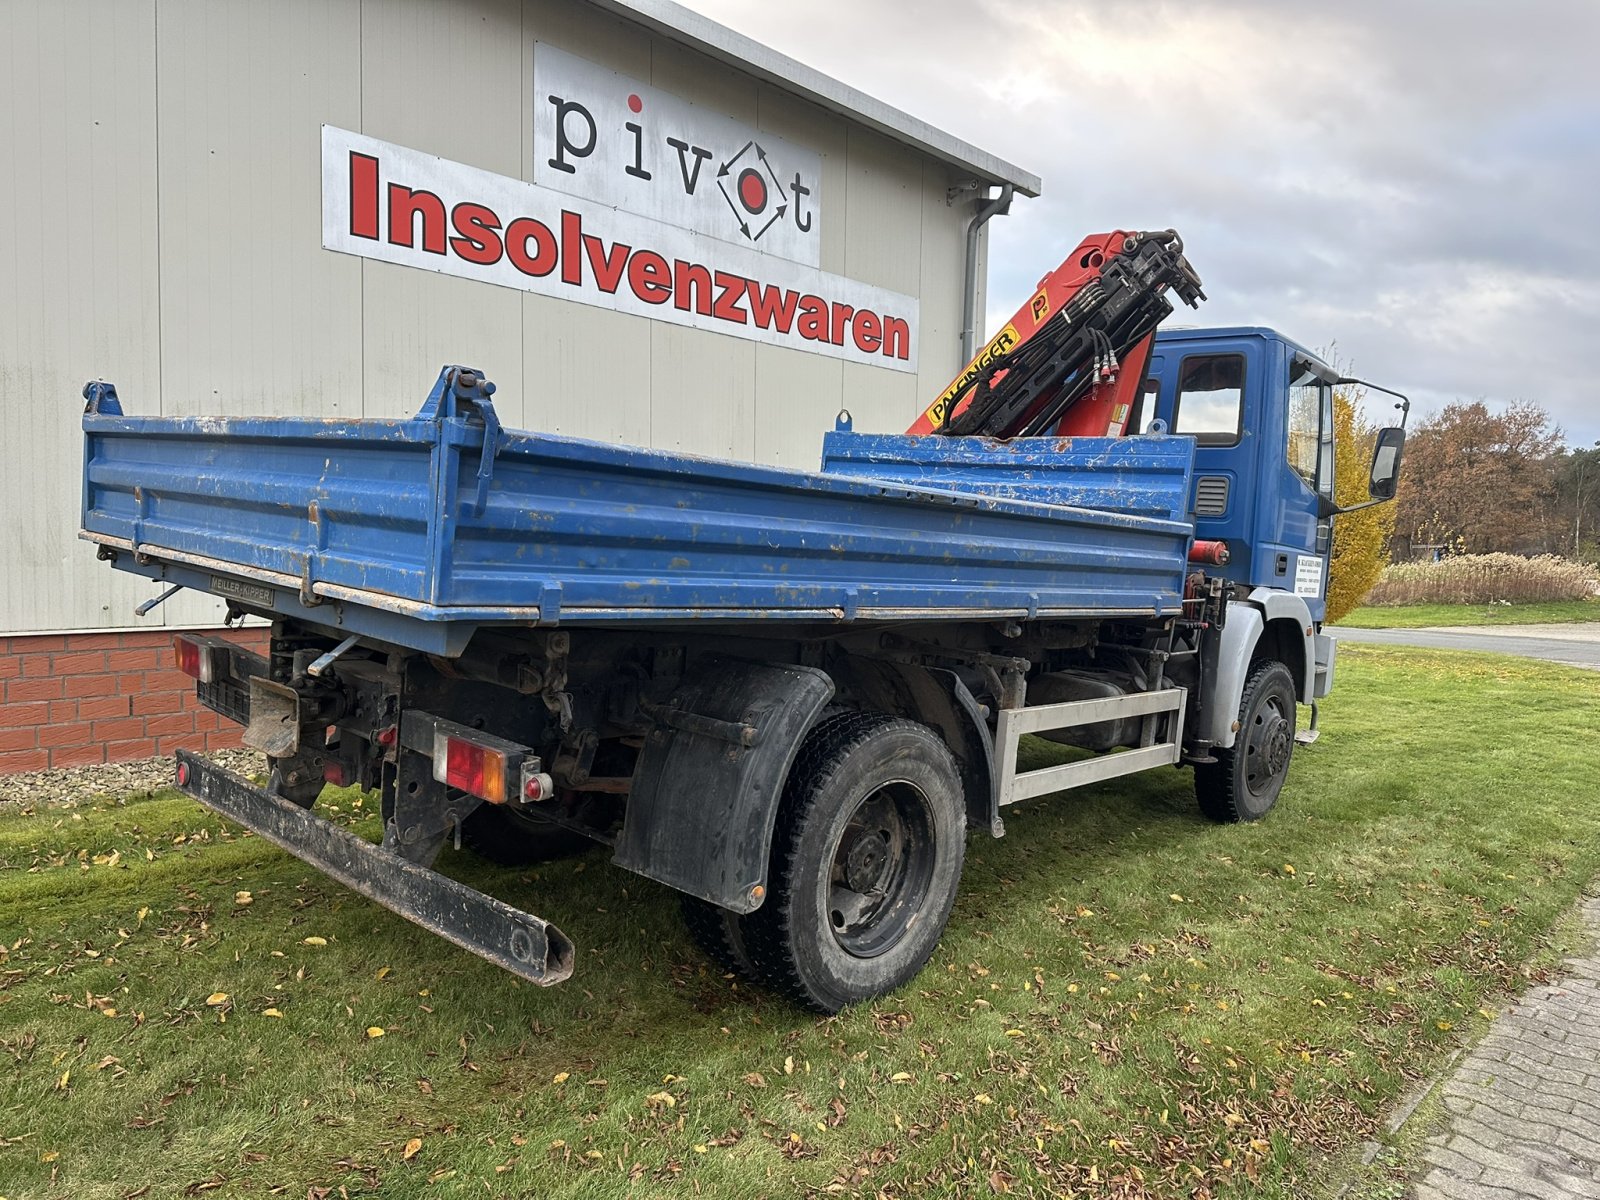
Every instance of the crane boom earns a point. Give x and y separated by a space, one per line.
1071 360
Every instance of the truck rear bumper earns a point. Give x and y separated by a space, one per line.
519 942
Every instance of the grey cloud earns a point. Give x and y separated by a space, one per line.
1417 182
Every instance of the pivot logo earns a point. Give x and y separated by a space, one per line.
615 140
761 201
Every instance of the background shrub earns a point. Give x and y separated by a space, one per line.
1484 579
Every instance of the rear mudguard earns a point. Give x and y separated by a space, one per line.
706 790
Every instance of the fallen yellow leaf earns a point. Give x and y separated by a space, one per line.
243 898
1174 897
315 941
412 1147
375 1031
1288 868
562 1077
700 1149
216 998
661 1100
271 1012
383 973
143 913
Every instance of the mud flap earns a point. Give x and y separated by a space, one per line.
523 944
706 790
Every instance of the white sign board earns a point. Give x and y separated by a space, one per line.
1308 576
612 139
402 206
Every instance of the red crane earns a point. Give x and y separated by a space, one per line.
1072 359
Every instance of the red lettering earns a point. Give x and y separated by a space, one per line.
649 277
691 287
363 196
841 316
522 231
478 240
813 325
404 208
896 338
772 307
867 331
606 264
730 289
571 238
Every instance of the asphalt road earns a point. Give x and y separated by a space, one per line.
1577 645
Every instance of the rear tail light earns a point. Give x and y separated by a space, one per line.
473 767
194 658
472 761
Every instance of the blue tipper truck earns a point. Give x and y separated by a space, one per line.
788 695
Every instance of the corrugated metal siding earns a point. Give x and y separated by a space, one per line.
160 227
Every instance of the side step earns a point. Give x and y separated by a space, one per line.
521 943
1158 747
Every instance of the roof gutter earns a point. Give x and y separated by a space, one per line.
997 207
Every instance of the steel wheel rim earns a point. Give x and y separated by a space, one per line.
881 869
1268 743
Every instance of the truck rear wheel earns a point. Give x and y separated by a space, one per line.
866 859
511 840
720 935
1244 782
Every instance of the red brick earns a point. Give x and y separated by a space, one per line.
88 663
37 666
188 741
19 691
89 685
25 738
227 738
10 666
63 710
131 751
38 643
130 660
94 641
205 721
174 723
119 731
106 708
78 756
171 680
75 734
25 760
149 703
13 715
131 683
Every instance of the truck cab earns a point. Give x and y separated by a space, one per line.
1260 408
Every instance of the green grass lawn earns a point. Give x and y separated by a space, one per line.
1128 1000
1418 616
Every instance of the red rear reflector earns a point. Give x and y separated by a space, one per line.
194 658
472 768
335 774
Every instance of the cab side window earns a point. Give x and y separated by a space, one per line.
1210 401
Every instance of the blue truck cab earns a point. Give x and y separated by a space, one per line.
1260 408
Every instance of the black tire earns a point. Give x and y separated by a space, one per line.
1243 784
866 859
720 936
510 840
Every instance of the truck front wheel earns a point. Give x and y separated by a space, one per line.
1245 780
866 858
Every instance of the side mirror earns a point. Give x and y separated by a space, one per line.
1387 452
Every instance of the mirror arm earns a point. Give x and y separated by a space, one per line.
1405 403
1336 511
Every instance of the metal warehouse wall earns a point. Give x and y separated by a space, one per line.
160 228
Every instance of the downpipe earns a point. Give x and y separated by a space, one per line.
997 207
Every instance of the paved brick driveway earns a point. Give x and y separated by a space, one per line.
1524 1106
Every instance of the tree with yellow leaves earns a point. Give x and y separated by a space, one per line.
1360 539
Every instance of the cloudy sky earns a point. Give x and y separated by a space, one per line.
1416 184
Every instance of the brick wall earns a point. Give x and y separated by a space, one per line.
72 699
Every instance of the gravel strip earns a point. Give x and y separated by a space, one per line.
57 784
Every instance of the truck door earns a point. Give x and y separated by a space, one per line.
1260 411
